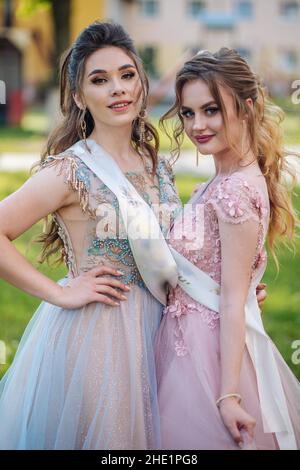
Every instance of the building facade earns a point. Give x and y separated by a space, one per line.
266 32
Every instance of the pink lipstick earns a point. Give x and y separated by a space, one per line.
202 139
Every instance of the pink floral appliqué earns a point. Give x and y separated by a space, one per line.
177 309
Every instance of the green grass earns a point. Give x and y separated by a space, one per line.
31 135
280 314
16 307
291 129
165 143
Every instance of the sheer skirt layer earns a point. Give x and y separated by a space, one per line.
194 379
84 379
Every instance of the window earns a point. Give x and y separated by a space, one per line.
148 7
288 60
148 55
219 20
195 8
244 9
289 10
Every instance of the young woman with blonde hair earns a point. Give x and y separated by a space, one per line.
221 381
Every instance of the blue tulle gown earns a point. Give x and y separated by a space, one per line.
85 378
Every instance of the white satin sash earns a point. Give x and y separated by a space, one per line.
161 266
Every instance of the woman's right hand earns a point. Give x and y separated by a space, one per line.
236 419
92 286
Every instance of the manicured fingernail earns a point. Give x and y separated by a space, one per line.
123 297
127 288
120 272
116 304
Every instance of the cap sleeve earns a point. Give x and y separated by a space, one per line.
236 201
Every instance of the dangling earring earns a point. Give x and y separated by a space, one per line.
83 125
197 156
243 139
142 126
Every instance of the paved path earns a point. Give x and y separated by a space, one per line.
185 164
17 161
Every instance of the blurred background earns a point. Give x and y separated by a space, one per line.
34 33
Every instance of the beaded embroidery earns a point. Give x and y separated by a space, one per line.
113 250
76 175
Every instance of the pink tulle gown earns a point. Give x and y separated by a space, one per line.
188 341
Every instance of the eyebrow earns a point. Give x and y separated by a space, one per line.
125 66
201 107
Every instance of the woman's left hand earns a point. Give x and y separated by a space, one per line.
261 294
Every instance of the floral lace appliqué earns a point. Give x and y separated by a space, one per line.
109 244
234 201
178 308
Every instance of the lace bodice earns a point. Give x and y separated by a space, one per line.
233 200
93 233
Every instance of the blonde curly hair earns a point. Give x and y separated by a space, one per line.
228 69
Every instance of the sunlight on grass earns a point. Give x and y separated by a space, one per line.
291 129
36 121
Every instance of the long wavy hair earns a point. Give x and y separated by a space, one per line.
96 36
228 69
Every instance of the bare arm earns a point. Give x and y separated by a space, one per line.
42 194
238 244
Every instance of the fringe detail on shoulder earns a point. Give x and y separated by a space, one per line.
69 167
76 184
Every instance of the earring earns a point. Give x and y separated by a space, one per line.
243 138
142 126
197 156
83 126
